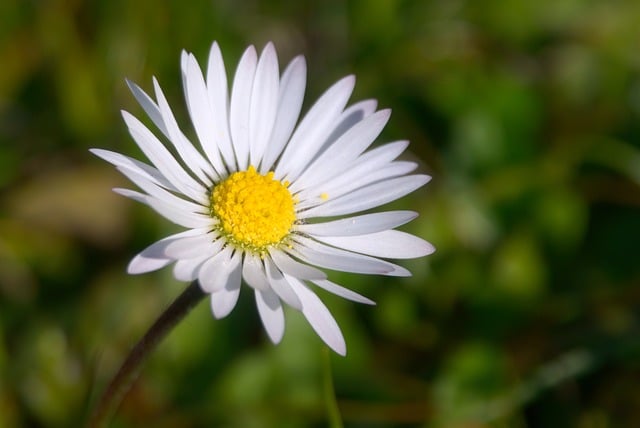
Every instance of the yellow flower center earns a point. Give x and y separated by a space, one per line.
255 211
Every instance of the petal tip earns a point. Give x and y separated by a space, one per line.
429 249
342 351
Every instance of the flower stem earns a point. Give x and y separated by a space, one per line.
333 412
121 382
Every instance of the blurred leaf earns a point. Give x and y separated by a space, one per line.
474 374
53 381
518 267
74 203
561 216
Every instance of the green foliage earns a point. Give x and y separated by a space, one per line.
526 114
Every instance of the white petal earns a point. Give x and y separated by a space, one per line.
280 285
292 86
201 113
214 273
191 157
394 169
223 301
160 193
240 106
391 170
343 292
184 65
264 103
321 319
173 206
314 130
359 225
253 272
367 197
154 256
344 151
351 180
392 244
271 314
126 163
208 243
141 264
350 117
363 166
341 262
162 159
173 213
387 152
149 106
219 100
318 254
187 269
294 268
159 251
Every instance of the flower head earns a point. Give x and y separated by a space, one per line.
258 194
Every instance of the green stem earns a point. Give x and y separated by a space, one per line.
333 412
121 382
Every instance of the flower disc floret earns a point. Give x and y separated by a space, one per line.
254 211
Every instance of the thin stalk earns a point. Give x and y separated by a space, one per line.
122 381
333 412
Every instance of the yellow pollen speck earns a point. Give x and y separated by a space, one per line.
255 211
324 196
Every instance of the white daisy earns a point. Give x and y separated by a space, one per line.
255 195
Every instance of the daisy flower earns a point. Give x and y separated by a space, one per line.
263 200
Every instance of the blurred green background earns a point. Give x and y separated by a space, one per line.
525 112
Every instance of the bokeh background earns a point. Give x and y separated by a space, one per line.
526 113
